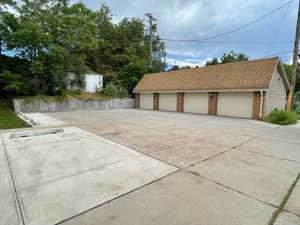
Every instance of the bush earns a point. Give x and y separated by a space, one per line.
113 90
282 117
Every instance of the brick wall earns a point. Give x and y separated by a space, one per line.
256 105
137 100
212 103
180 102
156 101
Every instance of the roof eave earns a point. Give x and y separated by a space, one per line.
282 73
204 91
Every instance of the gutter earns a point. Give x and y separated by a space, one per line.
205 91
261 104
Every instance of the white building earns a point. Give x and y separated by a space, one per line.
93 82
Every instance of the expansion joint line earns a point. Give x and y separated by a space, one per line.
280 208
13 182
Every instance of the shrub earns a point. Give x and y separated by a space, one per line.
282 117
110 90
123 92
114 90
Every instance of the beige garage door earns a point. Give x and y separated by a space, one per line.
168 101
196 103
146 101
235 104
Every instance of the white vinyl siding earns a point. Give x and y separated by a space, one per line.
146 101
276 95
196 103
167 101
237 104
93 82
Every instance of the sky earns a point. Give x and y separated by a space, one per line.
198 19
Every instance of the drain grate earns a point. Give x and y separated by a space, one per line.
36 133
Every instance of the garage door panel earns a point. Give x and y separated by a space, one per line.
168 102
196 103
235 104
146 101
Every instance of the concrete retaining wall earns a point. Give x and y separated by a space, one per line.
20 105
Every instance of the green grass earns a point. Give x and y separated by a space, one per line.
9 119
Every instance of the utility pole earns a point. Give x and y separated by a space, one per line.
165 60
295 62
151 19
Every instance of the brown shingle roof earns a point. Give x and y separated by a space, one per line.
255 74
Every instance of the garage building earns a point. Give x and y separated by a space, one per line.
248 89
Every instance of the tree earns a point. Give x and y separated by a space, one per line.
123 51
53 37
13 84
289 70
228 58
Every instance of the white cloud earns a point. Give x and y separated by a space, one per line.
187 62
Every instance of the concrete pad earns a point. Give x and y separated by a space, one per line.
275 148
181 198
261 177
229 140
284 134
287 219
59 200
293 204
5 179
188 154
71 134
41 164
189 131
40 119
9 213
61 175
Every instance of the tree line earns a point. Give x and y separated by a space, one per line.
49 39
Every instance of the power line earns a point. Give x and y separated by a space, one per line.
275 54
229 42
234 30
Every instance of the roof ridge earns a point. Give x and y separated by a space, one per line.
221 64
240 62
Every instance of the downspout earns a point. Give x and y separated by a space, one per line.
261 104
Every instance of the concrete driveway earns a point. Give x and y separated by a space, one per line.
171 169
49 177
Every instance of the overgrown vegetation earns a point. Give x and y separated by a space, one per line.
282 117
49 39
67 95
8 119
115 90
